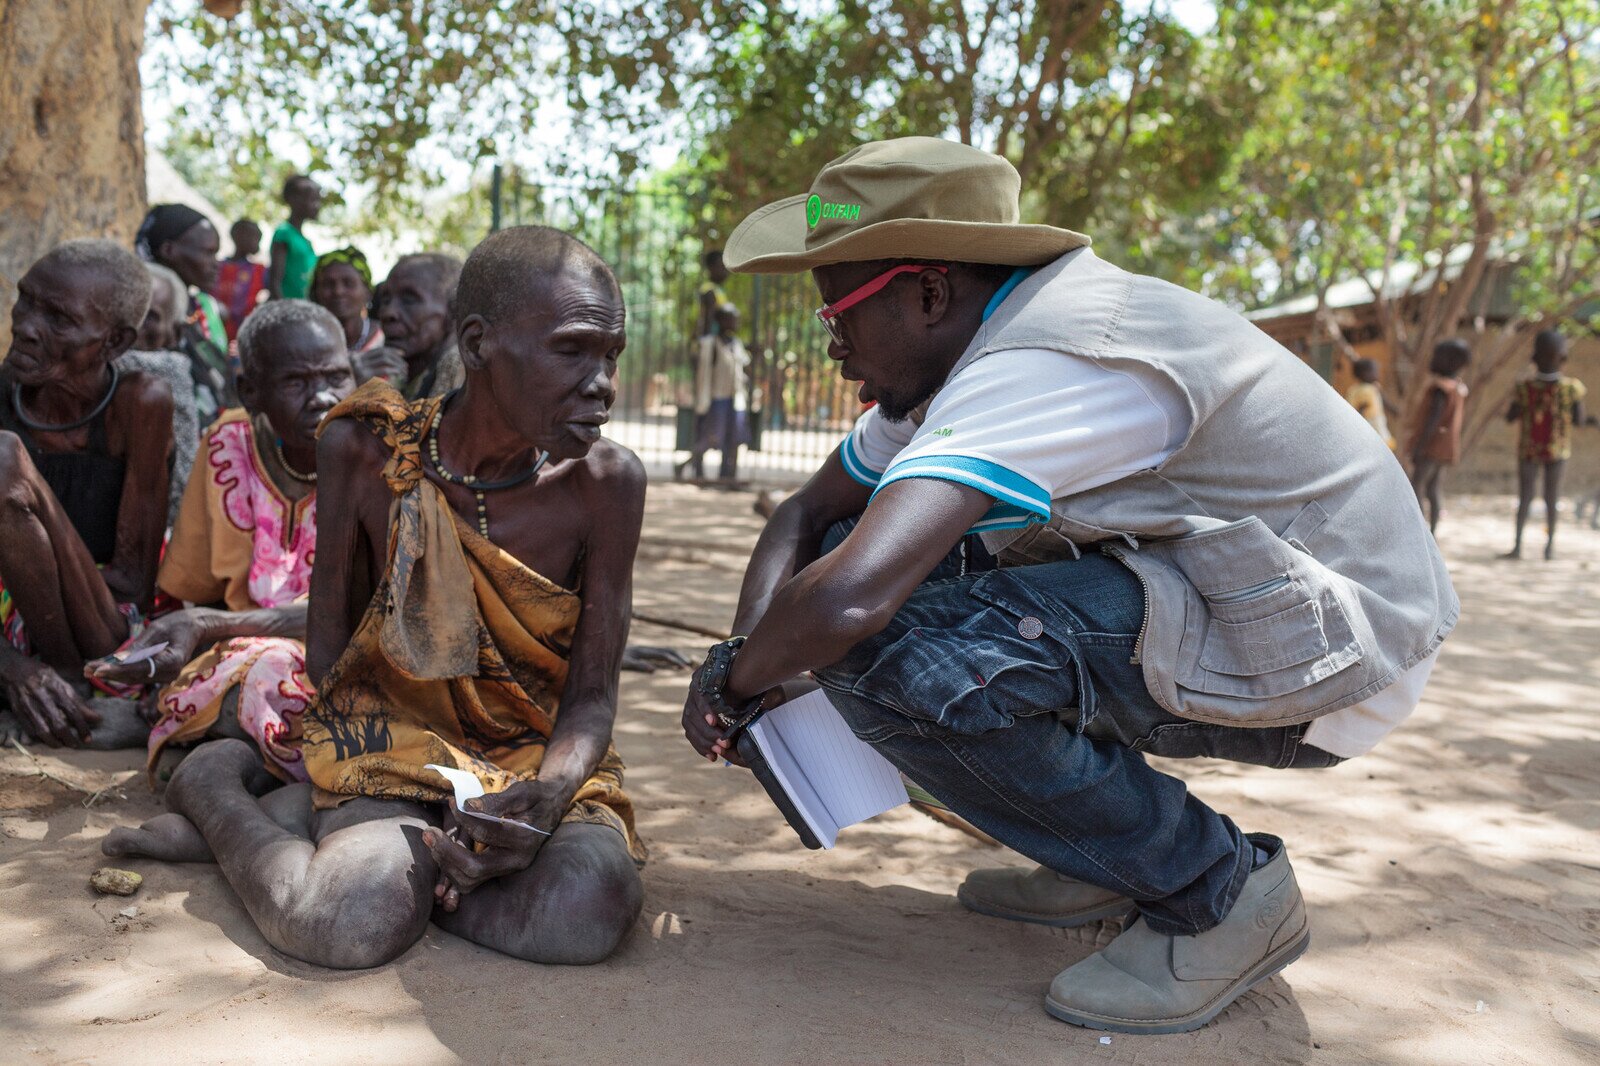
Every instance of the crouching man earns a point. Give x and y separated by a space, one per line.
1202 551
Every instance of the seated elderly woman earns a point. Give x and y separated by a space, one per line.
415 313
84 448
181 239
234 665
342 282
469 610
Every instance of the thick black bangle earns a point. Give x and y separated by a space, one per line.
714 680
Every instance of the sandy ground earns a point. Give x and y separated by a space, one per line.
1453 878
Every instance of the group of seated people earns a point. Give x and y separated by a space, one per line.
445 501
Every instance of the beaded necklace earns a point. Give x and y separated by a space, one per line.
308 479
472 481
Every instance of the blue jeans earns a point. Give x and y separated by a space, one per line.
1010 695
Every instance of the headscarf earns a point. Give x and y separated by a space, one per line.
350 257
164 222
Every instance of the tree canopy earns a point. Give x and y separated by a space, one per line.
1295 144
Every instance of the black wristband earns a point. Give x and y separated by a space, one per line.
714 680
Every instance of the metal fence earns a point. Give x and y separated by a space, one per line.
798 406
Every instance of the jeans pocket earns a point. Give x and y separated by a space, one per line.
977 675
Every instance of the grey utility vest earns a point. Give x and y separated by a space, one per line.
1287 568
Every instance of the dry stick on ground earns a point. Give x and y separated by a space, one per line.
673 623
93 795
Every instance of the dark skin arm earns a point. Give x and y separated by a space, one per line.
187 633
349 488
839 599
613 495
140 429
277 267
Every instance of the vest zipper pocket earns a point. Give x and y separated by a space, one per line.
1236 595
1138 642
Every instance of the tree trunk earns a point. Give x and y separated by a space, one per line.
71 129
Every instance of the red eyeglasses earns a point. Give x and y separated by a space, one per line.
828 314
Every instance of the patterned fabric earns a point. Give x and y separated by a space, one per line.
238 539
1547 409
350 257
173 368
241 541
269 676
460 659
240 284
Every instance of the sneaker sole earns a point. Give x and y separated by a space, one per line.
1264 969
1117 908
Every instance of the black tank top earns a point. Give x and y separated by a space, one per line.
88 484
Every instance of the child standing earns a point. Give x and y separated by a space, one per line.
1436 443
1548 405
1367 398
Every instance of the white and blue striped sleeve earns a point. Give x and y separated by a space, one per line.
1030 426
872 446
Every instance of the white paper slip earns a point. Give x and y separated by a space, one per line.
467 786
833 778
139 656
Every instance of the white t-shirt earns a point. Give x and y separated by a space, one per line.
1029 426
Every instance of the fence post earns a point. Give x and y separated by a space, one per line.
494 200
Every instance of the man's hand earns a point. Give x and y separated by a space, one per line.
645 659
182 631
380 362
704 730
48 707
507 849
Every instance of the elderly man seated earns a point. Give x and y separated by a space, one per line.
414 304
241 550
84 448
470 608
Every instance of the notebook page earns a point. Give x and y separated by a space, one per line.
781 761
852 781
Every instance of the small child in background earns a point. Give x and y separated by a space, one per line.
1367 398
1436 443
1548 405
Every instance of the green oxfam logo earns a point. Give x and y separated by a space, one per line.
816 211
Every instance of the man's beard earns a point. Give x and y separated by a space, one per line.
898 405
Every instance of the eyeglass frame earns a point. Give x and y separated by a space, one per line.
828 314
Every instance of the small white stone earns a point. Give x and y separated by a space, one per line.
1105 1040
129 912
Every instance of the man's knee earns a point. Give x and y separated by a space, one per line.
364 902
585 903
17 498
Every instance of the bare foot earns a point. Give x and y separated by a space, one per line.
1514 553
1549 552
168 837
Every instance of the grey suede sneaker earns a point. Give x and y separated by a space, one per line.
1039 895
1144 982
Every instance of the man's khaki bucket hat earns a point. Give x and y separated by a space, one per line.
909 198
